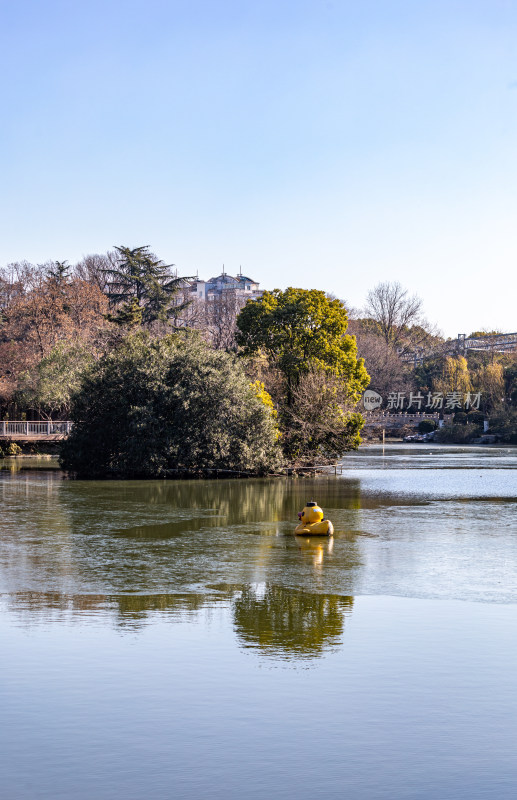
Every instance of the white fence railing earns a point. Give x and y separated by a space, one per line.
20 428
384 418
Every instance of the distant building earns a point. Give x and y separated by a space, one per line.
240 286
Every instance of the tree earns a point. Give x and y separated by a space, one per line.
489 380
41 307
137 275
387 371
93 268
300 329
59 272
220 319
394 312
510 378
48 387
153 407
321 419
303 335
503 423
455 376
46 313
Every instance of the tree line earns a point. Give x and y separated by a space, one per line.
306 358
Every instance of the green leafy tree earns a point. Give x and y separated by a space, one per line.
503 423
141 284
151 407
129 314
510 380
300 329
303 334
426 426
49 386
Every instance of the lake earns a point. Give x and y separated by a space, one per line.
174 639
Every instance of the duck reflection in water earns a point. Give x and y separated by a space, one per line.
315 549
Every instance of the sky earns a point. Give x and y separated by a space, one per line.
327 144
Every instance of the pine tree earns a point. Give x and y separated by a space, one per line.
140 281
59 272
128 314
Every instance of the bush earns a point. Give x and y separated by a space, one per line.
504 425
427 425
457 434
9 449
151 408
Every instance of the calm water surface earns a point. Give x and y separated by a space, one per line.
175 639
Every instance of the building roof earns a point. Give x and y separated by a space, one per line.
232 280
223 278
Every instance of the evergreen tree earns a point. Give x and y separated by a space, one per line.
154 406
128 314
138 280
59 272
303 335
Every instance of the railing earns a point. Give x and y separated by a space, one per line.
397 416
49 428
494 342
384 418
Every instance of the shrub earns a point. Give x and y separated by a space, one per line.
153 407
9 449
504 424
457 434
427 425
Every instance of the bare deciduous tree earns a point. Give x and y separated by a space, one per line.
394 311
93 269
215 317
387 371
321 421
221 318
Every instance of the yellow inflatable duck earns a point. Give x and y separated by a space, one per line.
312 522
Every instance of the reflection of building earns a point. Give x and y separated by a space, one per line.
240 286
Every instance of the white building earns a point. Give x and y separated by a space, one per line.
239 286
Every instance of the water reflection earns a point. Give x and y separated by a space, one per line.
25 463
314 549
137 618
128 550
135 610
287 622
280 621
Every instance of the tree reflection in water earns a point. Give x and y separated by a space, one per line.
127 611
277 620
128 552
289 623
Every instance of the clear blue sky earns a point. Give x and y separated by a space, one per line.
318 143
